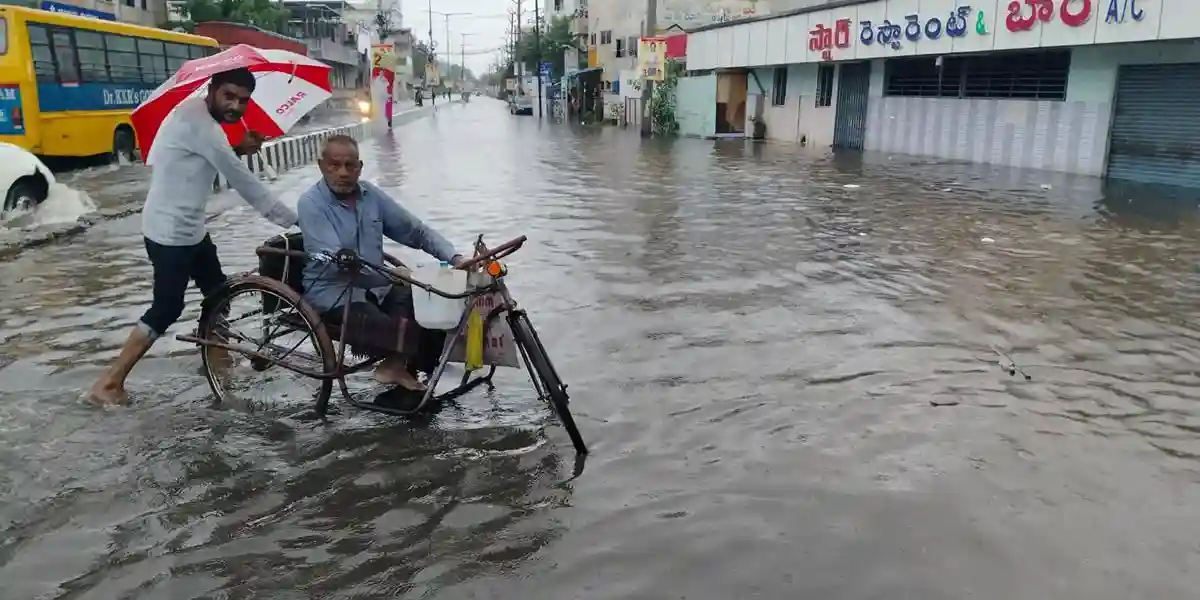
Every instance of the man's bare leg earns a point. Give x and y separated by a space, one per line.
110 388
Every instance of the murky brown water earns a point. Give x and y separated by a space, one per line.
753 350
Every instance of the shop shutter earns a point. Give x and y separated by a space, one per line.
1156 126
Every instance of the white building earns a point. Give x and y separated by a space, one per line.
1099 87
614 27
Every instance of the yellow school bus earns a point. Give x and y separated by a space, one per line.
68 83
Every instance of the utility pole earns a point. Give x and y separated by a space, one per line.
429 57
518 70
537 49
647 85
462 65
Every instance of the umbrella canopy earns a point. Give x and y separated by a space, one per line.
288 86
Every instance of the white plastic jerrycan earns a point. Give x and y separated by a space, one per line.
433 311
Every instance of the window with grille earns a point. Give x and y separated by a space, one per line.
606 37
43 56
1031 75
824 86
620 47
122 58
64 56
93 67
779 87
632 45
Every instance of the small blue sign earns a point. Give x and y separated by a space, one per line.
77 11
12 121
545 68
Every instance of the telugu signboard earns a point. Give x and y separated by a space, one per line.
383 57
890 28
652 58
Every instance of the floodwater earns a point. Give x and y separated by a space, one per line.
790 386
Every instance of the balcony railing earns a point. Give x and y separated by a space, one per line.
579 26
332 51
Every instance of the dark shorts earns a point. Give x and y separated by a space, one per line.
380 327
174 268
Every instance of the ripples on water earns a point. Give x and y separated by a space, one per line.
753 349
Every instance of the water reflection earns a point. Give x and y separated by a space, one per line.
754 335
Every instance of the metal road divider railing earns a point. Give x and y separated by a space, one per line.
289 153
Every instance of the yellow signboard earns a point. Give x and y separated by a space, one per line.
593 57
652 58
383 56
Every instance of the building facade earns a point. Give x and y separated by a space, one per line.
1096 87
329 38
615 26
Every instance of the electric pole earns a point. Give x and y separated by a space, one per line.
429 57
647 85
519 71
537 49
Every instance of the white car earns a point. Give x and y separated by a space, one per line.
520 104
25 180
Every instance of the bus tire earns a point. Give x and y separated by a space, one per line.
26 193
124 146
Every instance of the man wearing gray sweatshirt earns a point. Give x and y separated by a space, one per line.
189 151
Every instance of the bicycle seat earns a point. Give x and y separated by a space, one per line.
272 265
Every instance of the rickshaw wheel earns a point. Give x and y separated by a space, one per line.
290 316
539 362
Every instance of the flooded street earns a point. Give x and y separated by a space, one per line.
786 366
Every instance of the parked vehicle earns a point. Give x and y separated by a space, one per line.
26 181
520 104
70 82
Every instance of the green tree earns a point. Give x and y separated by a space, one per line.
263 14
422 51
555 39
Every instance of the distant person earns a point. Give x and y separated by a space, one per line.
188 153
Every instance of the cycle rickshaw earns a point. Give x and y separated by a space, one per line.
278 307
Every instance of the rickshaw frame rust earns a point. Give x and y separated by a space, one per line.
334 365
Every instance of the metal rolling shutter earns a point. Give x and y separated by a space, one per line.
1156 126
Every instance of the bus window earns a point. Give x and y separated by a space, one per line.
64 56
43 56
153 62
177 54
3 36
90 47
122 59
197 51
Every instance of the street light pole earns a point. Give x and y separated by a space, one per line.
647 85
537 49
429 57
462 65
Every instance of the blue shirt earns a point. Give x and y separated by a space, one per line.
330 225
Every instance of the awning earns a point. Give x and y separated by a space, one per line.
587 70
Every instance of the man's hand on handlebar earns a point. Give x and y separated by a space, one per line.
458 261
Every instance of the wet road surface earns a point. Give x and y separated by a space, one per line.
754 350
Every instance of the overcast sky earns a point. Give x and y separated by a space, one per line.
486 21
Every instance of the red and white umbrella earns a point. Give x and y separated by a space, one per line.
288 86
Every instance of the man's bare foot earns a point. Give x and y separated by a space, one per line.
104 393
389 374
219 357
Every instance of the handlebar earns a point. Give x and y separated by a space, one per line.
500 251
